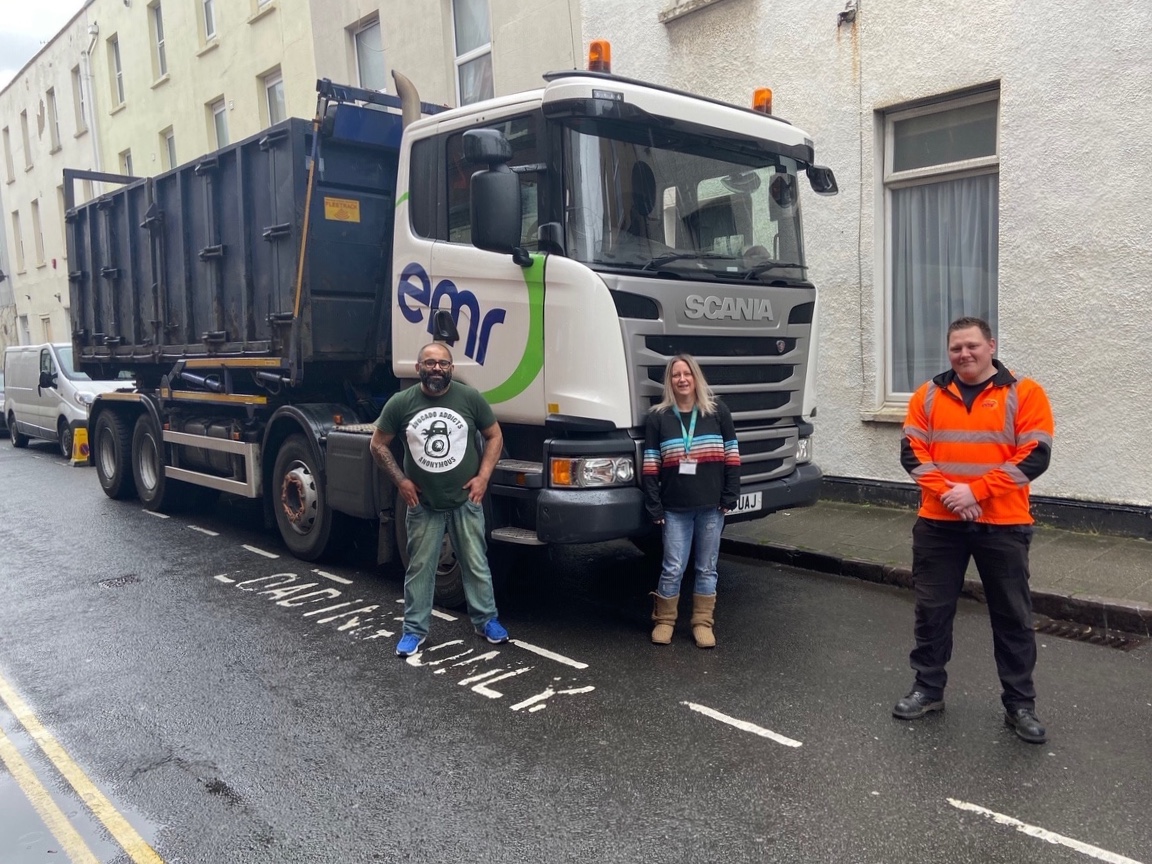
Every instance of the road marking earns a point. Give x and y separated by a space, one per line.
742 724
204 531
157 515
333 577
436 613
132 843
66 835
226 580
544 652
1043 834
259 551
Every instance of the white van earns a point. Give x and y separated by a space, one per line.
44 395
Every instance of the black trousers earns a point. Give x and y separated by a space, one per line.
940 555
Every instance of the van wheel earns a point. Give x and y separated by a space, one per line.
156 491
301 504
449 574
112 449
64 430
17 438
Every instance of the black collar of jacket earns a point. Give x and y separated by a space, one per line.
1002 378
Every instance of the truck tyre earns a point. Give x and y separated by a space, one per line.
300 502
156 491
112 452
449 574
18 438
65 439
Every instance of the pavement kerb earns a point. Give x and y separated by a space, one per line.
1103 613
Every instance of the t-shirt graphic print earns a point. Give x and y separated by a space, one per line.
437 439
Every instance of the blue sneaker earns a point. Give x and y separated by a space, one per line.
409 644
494 632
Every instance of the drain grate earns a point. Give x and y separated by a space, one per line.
1086 633
119 581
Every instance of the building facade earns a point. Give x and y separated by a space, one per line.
992 161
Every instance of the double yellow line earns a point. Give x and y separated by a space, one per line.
64 832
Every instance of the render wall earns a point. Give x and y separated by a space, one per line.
1075 273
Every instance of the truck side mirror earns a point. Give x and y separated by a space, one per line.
822 180
495 205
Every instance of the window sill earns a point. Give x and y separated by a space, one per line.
163 79
680 8
889 412
117 109
266 9
209 46
41 265
10 181
55 149
28 168
80 133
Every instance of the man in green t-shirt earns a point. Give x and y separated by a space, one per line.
443 483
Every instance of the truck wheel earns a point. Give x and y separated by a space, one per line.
301 504
449 574
18 438
112 448
156 491
65 432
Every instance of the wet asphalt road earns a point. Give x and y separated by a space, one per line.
232 715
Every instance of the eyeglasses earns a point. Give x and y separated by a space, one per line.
437 364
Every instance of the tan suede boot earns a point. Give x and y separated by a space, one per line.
664 617
703 609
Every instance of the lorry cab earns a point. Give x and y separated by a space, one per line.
45 397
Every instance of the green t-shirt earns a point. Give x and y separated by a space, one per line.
440 455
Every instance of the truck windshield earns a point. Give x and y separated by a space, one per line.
688 210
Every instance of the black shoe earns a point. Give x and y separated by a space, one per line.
1027 726
916 704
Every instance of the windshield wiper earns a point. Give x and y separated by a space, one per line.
656 263
771 265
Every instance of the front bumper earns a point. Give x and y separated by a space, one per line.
590 515
801 488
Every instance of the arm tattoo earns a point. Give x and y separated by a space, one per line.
387 461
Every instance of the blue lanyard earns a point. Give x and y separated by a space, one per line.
688 433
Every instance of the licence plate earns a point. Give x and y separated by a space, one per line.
749 502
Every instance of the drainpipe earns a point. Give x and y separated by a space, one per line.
90 102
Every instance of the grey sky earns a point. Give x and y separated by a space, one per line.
26 26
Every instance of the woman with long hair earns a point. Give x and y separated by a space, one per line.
691 480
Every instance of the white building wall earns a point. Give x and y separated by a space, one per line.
1075 272
39 288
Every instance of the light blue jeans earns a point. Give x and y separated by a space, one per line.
465 527
681 528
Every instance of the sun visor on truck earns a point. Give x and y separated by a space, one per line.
598 103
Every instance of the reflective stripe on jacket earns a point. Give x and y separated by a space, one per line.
997 448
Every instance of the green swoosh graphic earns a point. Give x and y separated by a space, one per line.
533 359
401 199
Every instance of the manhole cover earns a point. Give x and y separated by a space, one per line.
119 581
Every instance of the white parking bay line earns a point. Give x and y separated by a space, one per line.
225 579
204 531
333 577
259 551
1043 834
743 725
443 615
157 515
544 652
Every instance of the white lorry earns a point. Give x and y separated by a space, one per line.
565 242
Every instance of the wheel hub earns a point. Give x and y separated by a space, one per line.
299 499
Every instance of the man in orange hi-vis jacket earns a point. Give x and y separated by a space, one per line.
974 438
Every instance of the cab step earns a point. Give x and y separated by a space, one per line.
522 536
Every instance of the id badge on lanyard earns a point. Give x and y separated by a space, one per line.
687 466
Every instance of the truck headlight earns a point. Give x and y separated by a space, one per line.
596 471
803 451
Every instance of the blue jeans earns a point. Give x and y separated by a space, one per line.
465 527
681 527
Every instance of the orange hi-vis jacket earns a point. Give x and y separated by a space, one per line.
997 448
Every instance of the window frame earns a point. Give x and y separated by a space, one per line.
37 234
470 55
53 118
124 157
361 28
79 105
116 67
892 180
208 19
218 108
168 147
267 82
9 162
26 140
159 55
18 234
